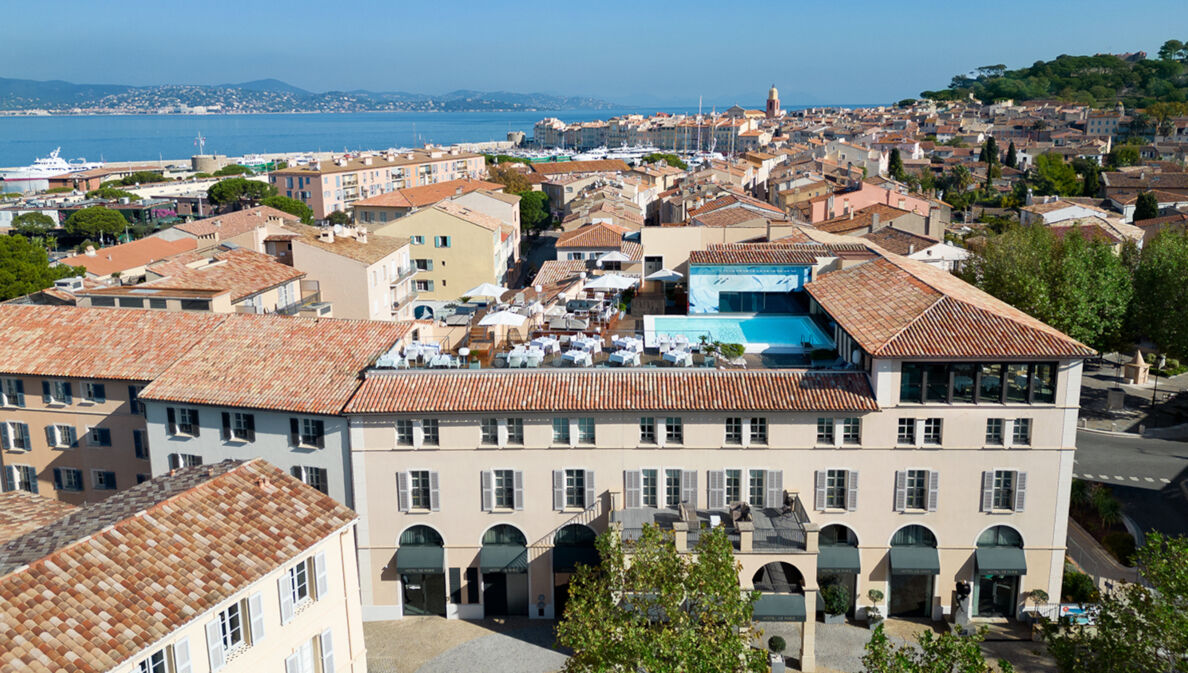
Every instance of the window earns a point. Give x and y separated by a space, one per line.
441 241
932 431
733 486
423 285
825 431
734 430
154 663
756 490
851 430
416 240
315 655
135 406
95 392
907 431
648 488
314 476
56 392
103 480
647 430
758 430
182 421
61 436
230 629
1004 489
916 489
561 431
515 431
1021 432
430 432
505 489
489 428
585 430
68 479
15 436
674 430
994 431
13 393
419 489
239 427
835 489
423 264
309 433
180 460
99 437
140 444
20 478
575 489
298 577
984 383
404 432
672 487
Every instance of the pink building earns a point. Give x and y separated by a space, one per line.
828 206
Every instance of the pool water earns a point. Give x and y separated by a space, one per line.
759 333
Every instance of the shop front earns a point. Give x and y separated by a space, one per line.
420 560
999 562
503 561
915 564
573 545
838 563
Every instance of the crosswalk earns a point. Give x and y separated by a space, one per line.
1121 478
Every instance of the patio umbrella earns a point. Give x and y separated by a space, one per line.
667 275
502 318
611 281
485 290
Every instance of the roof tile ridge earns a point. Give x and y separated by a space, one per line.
920 316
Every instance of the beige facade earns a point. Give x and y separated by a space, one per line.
669 247
361 283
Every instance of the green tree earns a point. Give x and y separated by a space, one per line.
239 192
338 217
1161 292
670 159
512 180
1122 155
95 222
32 224
660 610
232 169
111 194
1052 175
534 209
895 165
948 652
1012 157
989 153
290 206
1141 626
25 268
1146 207
1173 50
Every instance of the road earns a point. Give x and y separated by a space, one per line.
1129 461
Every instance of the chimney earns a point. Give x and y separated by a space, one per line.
327 235
874 222
911 248
361 235
90 251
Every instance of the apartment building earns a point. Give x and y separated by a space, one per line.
226 568
377 210
327 186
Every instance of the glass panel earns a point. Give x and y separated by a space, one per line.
963 383
990 389
504 534
1044 383
999 536
938 382
913 536
420 536
910 381
1016 382
838 535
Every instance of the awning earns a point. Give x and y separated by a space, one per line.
779 608
915 561
566 559
503 558
1001 561
838 559
420 559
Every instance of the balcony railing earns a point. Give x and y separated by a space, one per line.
404 274
769 531
406 300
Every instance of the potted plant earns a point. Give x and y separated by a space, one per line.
732 351
837 601
873 616
776 644
1036 596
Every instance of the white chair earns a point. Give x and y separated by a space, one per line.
515 359
534 358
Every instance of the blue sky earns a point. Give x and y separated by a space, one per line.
627 52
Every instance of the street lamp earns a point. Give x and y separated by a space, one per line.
1158 366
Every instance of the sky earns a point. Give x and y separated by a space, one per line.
631 53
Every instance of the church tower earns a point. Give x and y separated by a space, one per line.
773 103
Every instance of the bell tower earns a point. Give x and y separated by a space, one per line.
773 102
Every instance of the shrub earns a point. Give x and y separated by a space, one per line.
1121 545
776 644
836 599
1077 587
732 351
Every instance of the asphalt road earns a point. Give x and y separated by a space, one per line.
1130 461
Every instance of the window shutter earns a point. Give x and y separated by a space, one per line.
519 489
689 487
9 478
589 502
31 478
320 429
181 656
5 436
558 490
403 491
71 436
249 423
852 490
256 616
51 435
132 402
23 432
99 391
214 645
292 663
819 496
988 490
933 489
68 388
715 489
46 397
20 393
900 491
58 478
294 433
1020 490
171 420
321 577
775 488
632 491
487 483
327 652
434 503
284 588
197 423
226 426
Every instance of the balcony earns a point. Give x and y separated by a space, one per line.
405 300
760 531
403 274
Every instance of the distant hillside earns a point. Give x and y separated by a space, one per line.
264 95
1098 80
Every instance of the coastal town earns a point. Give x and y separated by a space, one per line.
885 374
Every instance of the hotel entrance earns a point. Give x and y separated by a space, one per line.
420 560
504 564
915 564
1000 563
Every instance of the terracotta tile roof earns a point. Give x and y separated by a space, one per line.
863 217
21 512
234 224
375 249
897 307
378 162
758 253
898 241
1090 232
469 215
96 343
735 199
595 166
240 271
1144 180
97 587
427 195
1058 204
554 272
613 390
597 235
135 254
727 217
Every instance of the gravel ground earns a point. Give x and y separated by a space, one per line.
433 644
522 651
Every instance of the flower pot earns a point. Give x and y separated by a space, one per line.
777 663
873 624
839 618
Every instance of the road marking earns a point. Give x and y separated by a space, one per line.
1119 477
1103 476
1134 478
1149 479
1166 481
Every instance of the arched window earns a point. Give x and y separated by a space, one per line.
913 536
420 536
574 535
1000 536
504 534
838 535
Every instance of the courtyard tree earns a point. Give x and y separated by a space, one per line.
290 206
1146 207
948 652
989 153
895 165
1161 292
96 222
660 610
506 174
25 268
1053 176
1012 157
534 209
32 224
670 159
338 217
239 192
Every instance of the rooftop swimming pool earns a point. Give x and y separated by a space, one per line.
758 333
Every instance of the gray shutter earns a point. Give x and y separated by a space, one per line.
558 490
226 426
900 491
988 490
100 392
51 436
181 657
327 652
214 645
284 588
519 489
58 478
589 501
321 577
403 491
291 663
23 431
256 616
1020 490
819 497
20 393
487 484
5 436
851 490
171 422
9 478
69 390
434 499
31 477
632 488
716 489
933 488
689 487
71 436
45 392
775 488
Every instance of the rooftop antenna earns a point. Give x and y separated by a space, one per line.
201 143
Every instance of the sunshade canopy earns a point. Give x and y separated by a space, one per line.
915 561
779 608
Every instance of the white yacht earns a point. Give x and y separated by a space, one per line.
36 176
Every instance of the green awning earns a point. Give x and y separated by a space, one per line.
566 559
838 559
915 561
420 559
1001 561
503 558
779 608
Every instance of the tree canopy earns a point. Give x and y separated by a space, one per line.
947 652
232 169
25 268
1051 175
513 180
661 610
1012 157
137 178
1161 292
290 206
670 159
32 224
1146 207
95 222
895 165
534 209
338 217
239 191
111 194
